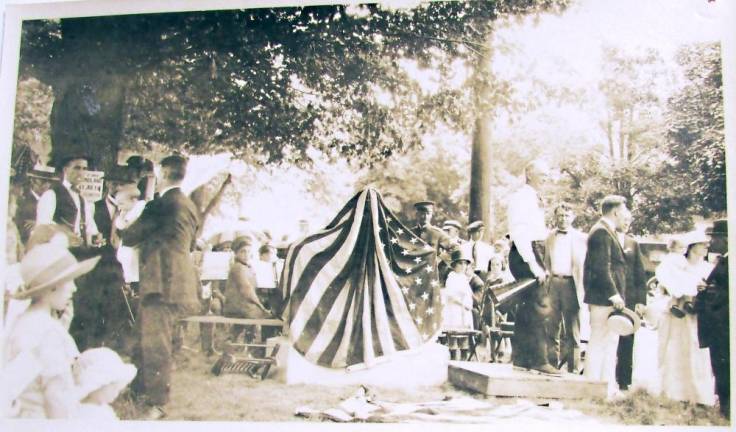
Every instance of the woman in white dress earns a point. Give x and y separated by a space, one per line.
684 368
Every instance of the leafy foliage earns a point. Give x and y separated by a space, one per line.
695 128
265 83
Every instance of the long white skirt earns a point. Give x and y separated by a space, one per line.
684 368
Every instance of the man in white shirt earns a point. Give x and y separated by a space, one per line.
62 204
528 232
564 258
478 249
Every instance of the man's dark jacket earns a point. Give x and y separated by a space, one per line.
604 272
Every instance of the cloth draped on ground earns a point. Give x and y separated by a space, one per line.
363 288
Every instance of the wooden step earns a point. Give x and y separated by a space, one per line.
497 379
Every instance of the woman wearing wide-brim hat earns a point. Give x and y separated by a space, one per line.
48 272
684 368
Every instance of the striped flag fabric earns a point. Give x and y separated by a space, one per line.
362 289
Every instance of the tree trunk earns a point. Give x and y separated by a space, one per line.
480 175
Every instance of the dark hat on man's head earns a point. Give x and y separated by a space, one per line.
460 255
121 174
43 172
62 161
424 205
719 228
475 226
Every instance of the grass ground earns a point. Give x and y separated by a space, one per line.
198 395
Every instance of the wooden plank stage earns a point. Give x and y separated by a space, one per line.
498 379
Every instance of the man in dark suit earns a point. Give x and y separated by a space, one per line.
604 281
711 304
635 297
165 236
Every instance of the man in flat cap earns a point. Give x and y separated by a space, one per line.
478 249
711 304
40 179
452 228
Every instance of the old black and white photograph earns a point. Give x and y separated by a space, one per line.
493 212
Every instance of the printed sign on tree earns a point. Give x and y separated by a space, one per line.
91 186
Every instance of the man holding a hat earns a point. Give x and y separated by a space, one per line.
40 179
711 304
604 281
165 236
64 205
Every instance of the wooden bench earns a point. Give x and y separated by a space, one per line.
230 360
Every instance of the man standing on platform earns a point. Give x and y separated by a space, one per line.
564 258
635 297
528 232
604 280
165 236
711 304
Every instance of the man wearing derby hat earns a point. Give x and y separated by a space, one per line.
165 236
40 179
604 281
711 304
64 205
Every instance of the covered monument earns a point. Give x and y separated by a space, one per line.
364 301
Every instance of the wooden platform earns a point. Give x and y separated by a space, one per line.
495 379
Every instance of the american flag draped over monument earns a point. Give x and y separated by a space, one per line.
363 288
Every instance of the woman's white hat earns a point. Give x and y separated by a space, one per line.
98 367
695 237
47 266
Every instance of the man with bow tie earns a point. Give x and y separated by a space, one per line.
564 259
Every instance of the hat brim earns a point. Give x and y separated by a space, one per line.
633 316
70 273
122 375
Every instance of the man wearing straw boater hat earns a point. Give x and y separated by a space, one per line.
711 305
39 179
165 236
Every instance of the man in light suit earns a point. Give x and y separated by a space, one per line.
604 281
165 236
564 259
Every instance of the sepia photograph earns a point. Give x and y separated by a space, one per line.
410 212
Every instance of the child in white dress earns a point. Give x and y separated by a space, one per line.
457 313
100 375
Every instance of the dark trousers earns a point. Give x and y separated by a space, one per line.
157 322
719 361
529 342
563 323
624 361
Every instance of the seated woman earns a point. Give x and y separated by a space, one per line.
241 300
49 272
457 312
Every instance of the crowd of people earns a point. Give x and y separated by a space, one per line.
598 277
136 256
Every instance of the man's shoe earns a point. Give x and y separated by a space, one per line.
154 413
547 369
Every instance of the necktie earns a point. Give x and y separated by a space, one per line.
563 232
82 216
475 254
114 236
275 276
